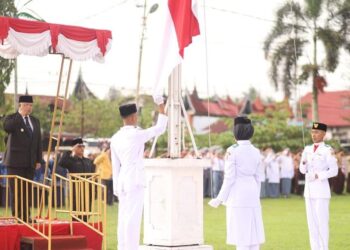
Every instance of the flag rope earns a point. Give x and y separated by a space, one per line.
303 129
206 70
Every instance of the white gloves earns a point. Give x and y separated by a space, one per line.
214 203
310 177
158 99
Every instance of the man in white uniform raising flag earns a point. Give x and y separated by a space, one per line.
177 24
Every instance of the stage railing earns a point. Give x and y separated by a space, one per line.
61 202
26 202
88 202
80 197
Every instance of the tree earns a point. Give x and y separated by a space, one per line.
7 8
101 117
317 22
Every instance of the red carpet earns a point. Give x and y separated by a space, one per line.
10 234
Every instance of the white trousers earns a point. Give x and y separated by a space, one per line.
251 247
129 219
317 211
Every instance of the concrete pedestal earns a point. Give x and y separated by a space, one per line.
173 212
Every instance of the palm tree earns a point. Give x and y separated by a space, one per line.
315 23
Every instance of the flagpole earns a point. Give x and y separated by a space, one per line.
174 113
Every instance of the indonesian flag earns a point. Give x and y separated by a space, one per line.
170 31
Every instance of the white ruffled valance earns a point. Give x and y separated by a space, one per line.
33 38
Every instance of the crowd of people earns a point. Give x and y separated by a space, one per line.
279 176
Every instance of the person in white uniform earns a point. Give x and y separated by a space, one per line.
318 163
273 174
263 180
241 190
127 150
287 172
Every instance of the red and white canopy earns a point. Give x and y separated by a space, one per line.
18 36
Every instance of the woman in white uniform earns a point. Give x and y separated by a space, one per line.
241 190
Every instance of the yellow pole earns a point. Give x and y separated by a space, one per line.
61 119
104 227
7 196
53 121
16 198
55 192
49 219
71 203
61 122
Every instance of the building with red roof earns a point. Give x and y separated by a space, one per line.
334 110
205 114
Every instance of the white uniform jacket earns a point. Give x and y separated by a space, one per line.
127 149
263 171
287 166
321 162
241 186
272 168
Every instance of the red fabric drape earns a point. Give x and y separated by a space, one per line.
185 22
71 32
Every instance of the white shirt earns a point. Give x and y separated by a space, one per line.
263 170
321 162
241 186
127 148
272 168
218 164
287 166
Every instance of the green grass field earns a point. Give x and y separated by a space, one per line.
284 222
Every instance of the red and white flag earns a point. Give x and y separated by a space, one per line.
170 31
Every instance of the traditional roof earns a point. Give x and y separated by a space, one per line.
81 90
333 108
215 107
218 127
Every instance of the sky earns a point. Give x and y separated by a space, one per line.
226 59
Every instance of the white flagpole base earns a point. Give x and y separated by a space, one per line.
173 211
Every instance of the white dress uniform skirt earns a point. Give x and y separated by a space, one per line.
244 226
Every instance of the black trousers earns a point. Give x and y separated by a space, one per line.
109 188
23 208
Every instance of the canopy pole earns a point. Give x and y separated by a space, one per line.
59 131
53 121
61 121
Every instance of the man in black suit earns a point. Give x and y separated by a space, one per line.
23 152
